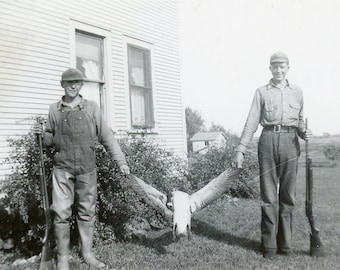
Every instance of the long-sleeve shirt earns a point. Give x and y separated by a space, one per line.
273 106
100 131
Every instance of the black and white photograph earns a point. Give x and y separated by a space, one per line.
169 134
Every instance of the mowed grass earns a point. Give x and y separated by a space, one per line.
227 236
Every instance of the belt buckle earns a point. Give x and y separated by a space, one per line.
277 129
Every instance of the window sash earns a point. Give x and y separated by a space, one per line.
141 107
89 53
141 100
89 60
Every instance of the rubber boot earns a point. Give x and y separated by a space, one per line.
62 235
86 230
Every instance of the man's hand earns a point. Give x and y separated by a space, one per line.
124 169
37 129
238 160
307 134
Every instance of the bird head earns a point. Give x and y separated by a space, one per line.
180 204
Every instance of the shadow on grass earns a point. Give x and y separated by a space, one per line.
205 229
202 228
158 243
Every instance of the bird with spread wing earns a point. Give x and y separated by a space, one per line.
182 205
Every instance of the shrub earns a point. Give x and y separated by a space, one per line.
205 167
118 207
332 151
22 187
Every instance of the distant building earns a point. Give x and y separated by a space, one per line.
201 141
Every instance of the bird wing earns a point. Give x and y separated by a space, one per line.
152 196
213 190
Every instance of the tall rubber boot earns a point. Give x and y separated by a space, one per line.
86 230
62 235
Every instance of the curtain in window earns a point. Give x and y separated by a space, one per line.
137 76
138 107
91 90
92 69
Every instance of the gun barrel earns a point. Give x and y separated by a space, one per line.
315 242
46 261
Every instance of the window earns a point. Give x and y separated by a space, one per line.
140 83
206 143
90 52
89 59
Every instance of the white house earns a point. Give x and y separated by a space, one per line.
128 50
201 141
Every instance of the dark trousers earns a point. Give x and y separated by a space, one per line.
278 159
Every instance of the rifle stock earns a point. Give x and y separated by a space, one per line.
316 248
46 262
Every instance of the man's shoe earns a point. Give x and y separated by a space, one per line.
269 254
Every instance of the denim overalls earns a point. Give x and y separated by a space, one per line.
74 174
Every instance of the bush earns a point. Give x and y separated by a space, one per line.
22 187
205 167
119 207
332 151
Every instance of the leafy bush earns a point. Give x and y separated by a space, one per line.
118 206
203 168
332 151
22 187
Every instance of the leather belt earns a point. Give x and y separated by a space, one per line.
280 129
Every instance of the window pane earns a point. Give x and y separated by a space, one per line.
89 56
141 107
91 90
138 107
139 61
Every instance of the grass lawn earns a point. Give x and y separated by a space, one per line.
227 236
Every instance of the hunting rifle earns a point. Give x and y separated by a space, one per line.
316 248
46 262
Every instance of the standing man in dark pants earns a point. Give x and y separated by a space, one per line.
74 125
278 107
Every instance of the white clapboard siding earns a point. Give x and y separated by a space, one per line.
35 50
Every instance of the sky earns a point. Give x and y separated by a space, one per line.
225 46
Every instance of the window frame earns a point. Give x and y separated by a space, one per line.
145 89
105 35
143 45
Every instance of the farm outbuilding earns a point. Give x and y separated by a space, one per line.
201 141
128 51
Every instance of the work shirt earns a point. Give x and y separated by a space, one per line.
74 131
273 106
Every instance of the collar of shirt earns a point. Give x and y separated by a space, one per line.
272 85
62 103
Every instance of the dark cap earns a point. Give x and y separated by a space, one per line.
72 74
279 57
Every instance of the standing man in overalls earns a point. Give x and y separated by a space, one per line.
278 107
73 126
